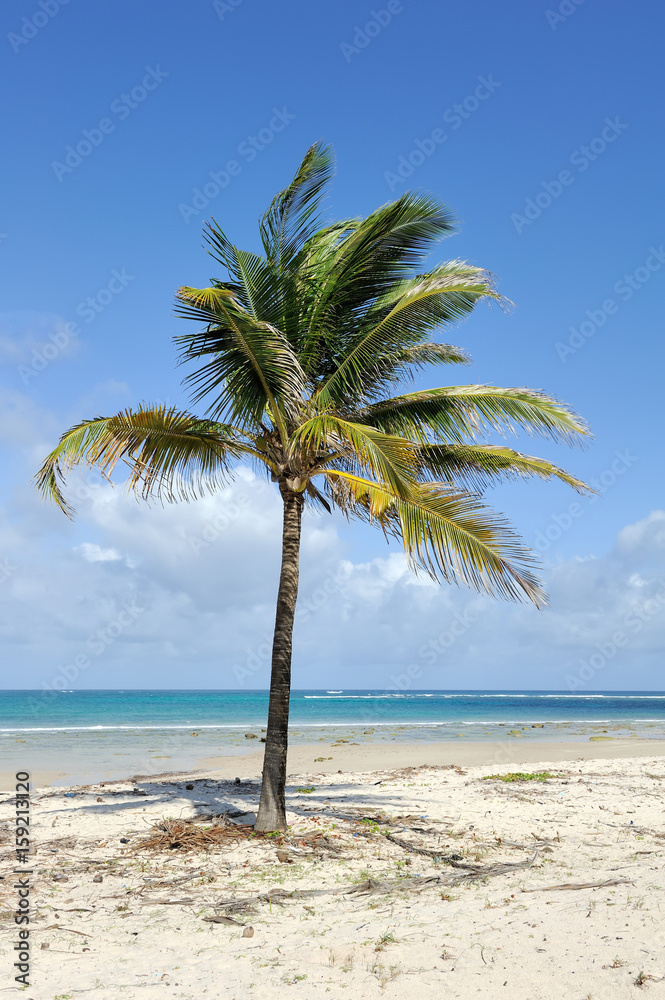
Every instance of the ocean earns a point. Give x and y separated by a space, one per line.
94 735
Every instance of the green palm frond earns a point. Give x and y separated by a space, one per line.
399 321
250 365
170 454
443 295
447 533
331 440
463 413
375 254
293 216
385 248
319 252
403 365
476 466
318 332
431 354
254 282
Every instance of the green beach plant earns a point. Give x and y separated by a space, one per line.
296 354
522 776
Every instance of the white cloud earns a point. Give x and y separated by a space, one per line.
25 333
94 553
644 541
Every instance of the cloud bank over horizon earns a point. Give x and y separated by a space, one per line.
183 596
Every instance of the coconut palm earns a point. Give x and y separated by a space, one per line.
295 353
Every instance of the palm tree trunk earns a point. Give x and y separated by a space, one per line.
272 807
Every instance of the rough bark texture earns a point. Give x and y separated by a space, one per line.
272 807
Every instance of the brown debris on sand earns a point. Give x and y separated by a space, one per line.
186 835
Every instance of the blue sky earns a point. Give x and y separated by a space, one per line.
539 126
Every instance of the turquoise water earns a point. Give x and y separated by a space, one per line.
94 734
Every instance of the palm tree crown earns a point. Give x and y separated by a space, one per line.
295 354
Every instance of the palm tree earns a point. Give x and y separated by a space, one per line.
295 353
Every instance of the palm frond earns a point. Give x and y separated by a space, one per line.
402 365
317 497
253 281
315 341
318 252
447 533
421 355
329 439
251 365
476 466
386 246
170 454
293 216
377 252
399 321
463 413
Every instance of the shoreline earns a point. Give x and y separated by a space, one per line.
360 758
375 757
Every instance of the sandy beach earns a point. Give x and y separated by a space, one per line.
426 877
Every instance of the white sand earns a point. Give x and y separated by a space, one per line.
504 937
